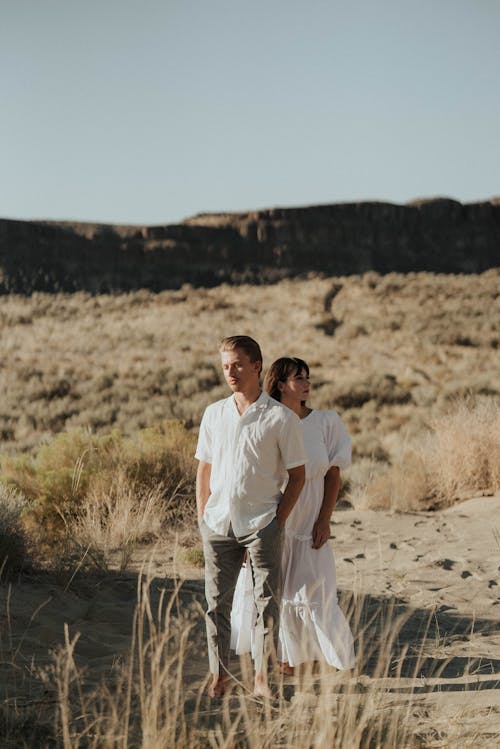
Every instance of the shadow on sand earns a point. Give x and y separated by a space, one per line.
399 648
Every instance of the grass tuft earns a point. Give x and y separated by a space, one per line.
99 493
14 553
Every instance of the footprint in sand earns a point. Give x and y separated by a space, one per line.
465 574
446 564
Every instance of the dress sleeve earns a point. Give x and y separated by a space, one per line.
337 439
204 446
291 442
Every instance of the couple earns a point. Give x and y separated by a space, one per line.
250 445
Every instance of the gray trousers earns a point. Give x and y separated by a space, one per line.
223 558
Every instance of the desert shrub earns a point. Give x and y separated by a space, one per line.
383 389
368 445
194 556
462 453
362 484
128 361
161 455
457 456
57 479
402 486
115 518
13 547
78 467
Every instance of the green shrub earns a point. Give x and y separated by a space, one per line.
194 556
77 463
13 549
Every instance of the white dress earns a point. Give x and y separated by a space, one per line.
312 625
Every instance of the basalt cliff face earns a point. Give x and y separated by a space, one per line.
437 235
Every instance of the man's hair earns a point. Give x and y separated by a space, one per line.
280 370
246 344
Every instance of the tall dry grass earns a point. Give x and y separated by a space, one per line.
151 700
458 456
97 494
148 704
154 696
115 519
145 704
463 451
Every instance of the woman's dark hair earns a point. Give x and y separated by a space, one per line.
280 370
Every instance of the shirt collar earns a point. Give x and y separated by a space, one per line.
261 403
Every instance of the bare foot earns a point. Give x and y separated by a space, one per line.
286 669
217 688
261 687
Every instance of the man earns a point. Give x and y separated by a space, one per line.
248 443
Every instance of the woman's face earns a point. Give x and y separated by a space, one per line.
295 388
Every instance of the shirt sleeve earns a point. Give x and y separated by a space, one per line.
204 446
337 439
291 442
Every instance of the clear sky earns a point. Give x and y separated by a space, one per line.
148 111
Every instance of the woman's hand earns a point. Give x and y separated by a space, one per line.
320 533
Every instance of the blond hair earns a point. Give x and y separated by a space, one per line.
246 344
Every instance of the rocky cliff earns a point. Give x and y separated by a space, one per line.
438 235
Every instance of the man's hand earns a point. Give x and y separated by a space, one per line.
296 480
202 487
320 533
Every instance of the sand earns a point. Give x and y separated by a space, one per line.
438 571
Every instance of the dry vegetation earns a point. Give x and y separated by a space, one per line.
145 703
392 353
83 497
100 401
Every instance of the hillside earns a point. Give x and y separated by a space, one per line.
438 235
388 351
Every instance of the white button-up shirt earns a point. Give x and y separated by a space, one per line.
249 455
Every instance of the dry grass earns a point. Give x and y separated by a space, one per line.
400 349
147 703
391 353
14 554
94 495
457 457
118 518
463 452
399 356
150 700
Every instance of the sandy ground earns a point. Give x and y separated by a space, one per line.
438 571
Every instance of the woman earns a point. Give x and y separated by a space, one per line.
312 626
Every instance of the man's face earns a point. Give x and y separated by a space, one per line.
239 371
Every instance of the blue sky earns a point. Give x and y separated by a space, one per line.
141 111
